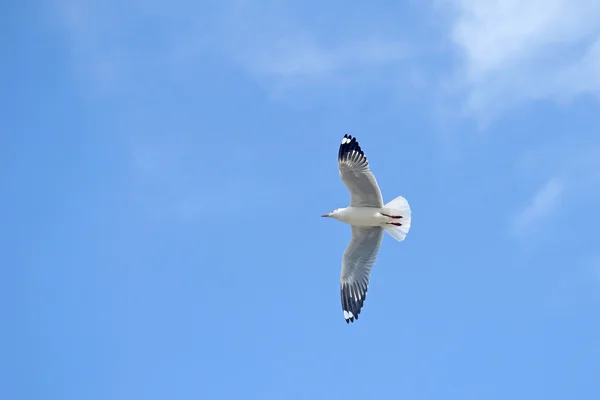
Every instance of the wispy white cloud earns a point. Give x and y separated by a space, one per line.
120 47
272 42
284 45
302 55
575 182
511 51
121 51
542 205
518 50
99 59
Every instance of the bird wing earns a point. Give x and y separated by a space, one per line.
356 175
358 260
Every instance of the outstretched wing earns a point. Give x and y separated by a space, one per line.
356 175
359 258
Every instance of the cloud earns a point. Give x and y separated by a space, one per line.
97 57
274 43
575 183
133 57
514 51
542 205
510 51
302 55
287 45
119 48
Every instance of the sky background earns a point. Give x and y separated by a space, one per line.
163 167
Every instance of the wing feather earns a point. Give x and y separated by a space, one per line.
358 260
357 176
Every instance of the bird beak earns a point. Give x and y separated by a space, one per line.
325 215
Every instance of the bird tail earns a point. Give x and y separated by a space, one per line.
399 210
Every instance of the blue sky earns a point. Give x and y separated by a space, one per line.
165 164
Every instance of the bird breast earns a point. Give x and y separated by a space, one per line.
362 216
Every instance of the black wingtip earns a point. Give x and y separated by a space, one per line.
350 148
350 305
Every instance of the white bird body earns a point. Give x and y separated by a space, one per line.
369 217
360 216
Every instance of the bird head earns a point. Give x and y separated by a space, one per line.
332 214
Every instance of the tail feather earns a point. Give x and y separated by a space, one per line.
398 207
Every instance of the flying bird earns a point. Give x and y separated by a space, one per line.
368 217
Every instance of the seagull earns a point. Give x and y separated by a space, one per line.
368 217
